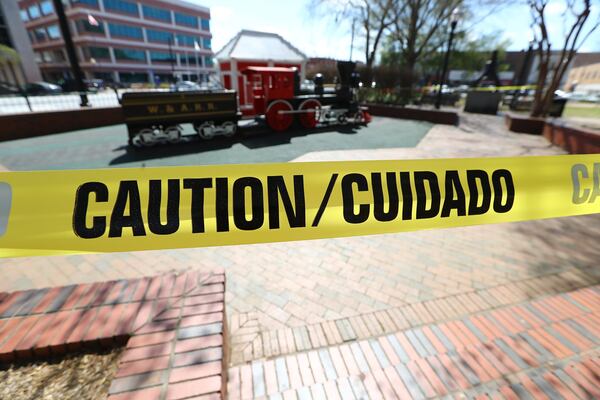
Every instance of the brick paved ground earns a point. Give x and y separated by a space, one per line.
545 349
171 327
288 297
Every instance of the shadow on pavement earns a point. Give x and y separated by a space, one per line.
254 137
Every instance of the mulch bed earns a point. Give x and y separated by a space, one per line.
73 376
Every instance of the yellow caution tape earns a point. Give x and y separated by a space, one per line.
490 88
60 212
502 88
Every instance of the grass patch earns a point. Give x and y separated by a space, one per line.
584 110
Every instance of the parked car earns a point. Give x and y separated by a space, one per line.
7 89
184 86
42 88
91 85
97 84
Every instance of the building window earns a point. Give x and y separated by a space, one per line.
208 61
46 7
121 6
158 36
186 40
187 20
190 59
24 15
133 77
34 11
38 57
98 53
205 24
58 56
156 13
158 56
40 35
130 55
127 31
93 3
53 32
206 43
83 26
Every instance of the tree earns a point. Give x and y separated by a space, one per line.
373 18
417 31
551 72
468 54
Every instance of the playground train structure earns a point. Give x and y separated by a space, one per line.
278 99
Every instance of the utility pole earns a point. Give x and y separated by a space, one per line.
523 74
352 38
171 58
453 22
68 41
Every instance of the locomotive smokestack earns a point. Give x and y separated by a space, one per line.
345 71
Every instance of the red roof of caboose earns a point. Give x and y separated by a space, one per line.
268 69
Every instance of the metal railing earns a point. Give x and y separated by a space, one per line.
22 102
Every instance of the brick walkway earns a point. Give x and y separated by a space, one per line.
547 348
171 326
285 298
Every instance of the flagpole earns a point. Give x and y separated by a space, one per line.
197 49
187 63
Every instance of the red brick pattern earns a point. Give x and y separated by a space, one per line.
173 327
548 348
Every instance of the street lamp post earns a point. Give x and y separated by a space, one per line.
454 17
70 48
523 75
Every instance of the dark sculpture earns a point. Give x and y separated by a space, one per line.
490 71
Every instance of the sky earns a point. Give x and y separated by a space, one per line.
317 35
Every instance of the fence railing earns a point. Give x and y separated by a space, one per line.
24 103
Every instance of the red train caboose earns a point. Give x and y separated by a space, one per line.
277 95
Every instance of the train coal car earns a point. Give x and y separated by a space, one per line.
155 117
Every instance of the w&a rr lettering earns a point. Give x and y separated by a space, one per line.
180 108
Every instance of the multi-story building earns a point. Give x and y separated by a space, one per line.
123 40
17 64
584 79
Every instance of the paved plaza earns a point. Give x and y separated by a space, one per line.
106 147
289 298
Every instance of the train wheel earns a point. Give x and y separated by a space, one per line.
145 137
206 131
229 128
173 134
312 113
277 117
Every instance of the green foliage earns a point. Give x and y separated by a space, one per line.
467 54
8 54
387 96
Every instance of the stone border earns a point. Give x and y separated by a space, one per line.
33 124
524 124
573 140
173 327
